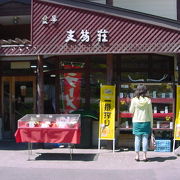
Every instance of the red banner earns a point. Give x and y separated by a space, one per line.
72 89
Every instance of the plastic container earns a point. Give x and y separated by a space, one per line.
127 124
158 124
163 145
166 109
154 94
155 109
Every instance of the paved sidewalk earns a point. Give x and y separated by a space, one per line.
88 161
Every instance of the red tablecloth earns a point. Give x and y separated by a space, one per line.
48 135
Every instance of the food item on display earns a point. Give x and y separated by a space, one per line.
27 124
31 123
45 124
61 122
37 124
49 121
66 122
53 124
71 124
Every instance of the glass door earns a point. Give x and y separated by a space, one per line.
18 99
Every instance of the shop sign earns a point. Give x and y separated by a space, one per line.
102 36
107 113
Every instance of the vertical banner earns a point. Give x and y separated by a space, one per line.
72 89
177 121
107 113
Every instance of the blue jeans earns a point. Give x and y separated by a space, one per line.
144 140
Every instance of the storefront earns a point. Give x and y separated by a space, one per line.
77 46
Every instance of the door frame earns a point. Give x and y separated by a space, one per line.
12 80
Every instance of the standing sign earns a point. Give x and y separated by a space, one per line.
177 121
177 128
107 114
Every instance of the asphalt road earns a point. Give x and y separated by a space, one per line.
13 173
69 174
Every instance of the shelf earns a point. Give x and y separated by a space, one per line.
156 129
162 100
125 129
156 115
167 129
154 100
161 115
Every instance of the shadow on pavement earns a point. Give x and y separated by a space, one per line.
162 159
12 145
66 156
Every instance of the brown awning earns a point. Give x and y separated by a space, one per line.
124 35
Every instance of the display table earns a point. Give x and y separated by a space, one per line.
58 128
48 135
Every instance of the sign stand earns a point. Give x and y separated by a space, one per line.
174 142
114 145
99 144
176 132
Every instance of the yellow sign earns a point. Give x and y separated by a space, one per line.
107 112
177 121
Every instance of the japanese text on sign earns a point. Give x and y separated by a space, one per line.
46 19
72 86
102 36
107 112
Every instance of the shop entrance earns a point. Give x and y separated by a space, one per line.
18 99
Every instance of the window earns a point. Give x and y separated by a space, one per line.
145 68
